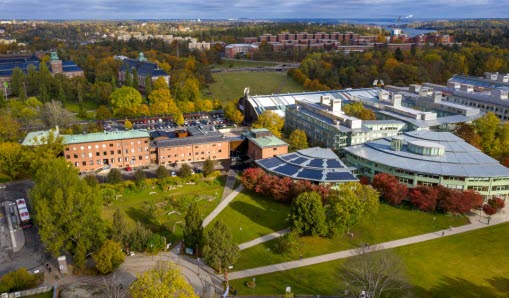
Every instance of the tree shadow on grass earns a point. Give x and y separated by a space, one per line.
260 216
459 287
144 217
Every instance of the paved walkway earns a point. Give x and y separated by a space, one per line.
264 239
230 183
222 205
475 225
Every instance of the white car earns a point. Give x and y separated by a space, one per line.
173 174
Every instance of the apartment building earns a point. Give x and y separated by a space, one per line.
118 149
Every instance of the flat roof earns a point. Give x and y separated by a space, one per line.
105 136
268 141
314 164
192 140
460 159
35 138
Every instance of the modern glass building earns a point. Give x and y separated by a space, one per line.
430 158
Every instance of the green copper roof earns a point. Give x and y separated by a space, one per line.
255 130
105 136
265 141
54 56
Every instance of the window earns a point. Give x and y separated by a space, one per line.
89 147
220 151
119 151
96 146
84 163
67 156
127 159
140 157
111 144
67 149
89 154
91 162
75 155
133 157
274 149
83 155
146 156
82 147
76 164
112 160
120 159
97 154
104 145
73 148
112 152
104 152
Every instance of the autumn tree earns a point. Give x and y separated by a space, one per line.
350 204
18 280
487 127
108 257
271 121
374 271
493 206
251 176
67 211
10 130
467 132
26 111
219 250
232 113
164 280
114 176
424 198
125 100
298 140
390 189
17 80
102 113
12 160
193 229
160 83
148 85
185 171
161 172
358 110
54 114
307 215
161 103
128 125
456 201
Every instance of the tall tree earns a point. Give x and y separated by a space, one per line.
119 229
298 140
219 250
67 210
487 127
185 171
375 272
270 121
17 81
128 79
193 230
208 167
136 80
148 85
307 215
351 204
54 114
11 160
125 101
160 83
164 280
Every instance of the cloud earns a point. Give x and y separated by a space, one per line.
119 9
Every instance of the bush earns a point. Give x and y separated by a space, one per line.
17 280
139 237
108 195
155 243
91 180
161 172
214 174
114 176
108 257
390 189
208 167
288 244
307 215
185 171
139 177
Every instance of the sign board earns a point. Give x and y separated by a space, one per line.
189 251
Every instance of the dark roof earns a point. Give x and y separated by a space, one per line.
8 64
143 67
315 164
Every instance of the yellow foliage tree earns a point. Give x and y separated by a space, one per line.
160 83
271 121
164 280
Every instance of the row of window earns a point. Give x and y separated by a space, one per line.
74 148
112 152
112 161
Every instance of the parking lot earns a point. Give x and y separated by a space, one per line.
28 251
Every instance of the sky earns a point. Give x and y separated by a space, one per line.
254 9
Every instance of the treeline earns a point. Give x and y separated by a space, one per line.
485 32
428 64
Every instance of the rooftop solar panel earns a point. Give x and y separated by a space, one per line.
287 170
340 176
299 160
316 163
288 157
311 174
333 163
269 163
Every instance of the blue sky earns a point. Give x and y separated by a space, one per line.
173 9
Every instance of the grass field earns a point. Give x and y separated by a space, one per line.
473 264
250 216
230 86
154 210
233 63
90 106
389 224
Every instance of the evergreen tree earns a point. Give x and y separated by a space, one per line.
128 81
148 85
193 230
119 229
219 250
307 215
17 79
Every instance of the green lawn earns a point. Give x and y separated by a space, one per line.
90 106
153 210
230 86
390 223
233 63
256 215
472 264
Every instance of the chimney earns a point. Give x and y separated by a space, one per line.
335 105
437 96
491 76
414 88
325 100
467 88
396 99
383 95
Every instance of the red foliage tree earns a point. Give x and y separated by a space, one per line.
251 176
424 198
364 180
391 190
281 190
457 202
265 184
493 206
